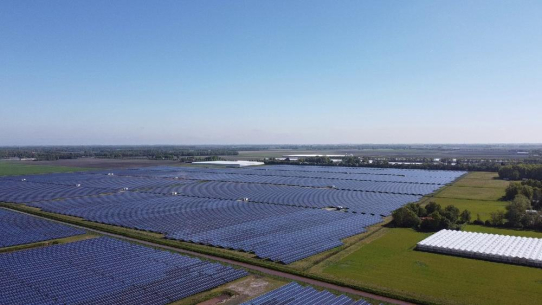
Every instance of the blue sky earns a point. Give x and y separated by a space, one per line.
253 72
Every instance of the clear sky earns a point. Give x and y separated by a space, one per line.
253 72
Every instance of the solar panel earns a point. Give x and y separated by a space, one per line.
18 229
105 271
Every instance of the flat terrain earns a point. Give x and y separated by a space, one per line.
385 152
13 168
483 208
512 232
389 262
478 192
105 163
472 193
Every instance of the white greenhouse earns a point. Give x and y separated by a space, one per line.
492 247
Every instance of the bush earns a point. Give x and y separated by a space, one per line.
496 218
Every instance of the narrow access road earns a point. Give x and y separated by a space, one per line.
240 264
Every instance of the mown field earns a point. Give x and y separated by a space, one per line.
478 192
387 260
390 263
9 168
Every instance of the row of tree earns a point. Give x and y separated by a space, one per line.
357 162
113 152
431 217
530 189
521 171
521 214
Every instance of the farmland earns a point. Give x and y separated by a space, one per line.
9 168
387 260
380 259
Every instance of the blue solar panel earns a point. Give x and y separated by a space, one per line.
277 232
274 211
294 293
105 271
361 202
17 229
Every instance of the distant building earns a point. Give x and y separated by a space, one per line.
229 163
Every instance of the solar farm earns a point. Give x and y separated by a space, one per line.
492 247
280 213
294 293
105 271
19 229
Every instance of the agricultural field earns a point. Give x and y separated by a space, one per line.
511 232
472 193
386 260
11 168
478 192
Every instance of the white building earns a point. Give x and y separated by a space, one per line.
492 247
229 163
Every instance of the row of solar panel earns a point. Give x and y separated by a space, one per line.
277 232
366 170
21 192
17 229
105 271
342 170
404 177
360 202
295 294
354 185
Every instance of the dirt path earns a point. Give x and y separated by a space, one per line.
244 265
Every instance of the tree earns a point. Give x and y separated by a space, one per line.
417 209
432 223
451 213
516 210
405 218
496 218
516 188
432 207
465 216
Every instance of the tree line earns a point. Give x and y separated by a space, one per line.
430 218
113 152
521 171
357 162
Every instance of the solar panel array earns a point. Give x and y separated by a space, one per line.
277 232
18 229
274 211
294 293
105 271
360 202
21 192
493 247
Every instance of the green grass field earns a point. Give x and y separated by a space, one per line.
390 263
8 168
484 229
472 193
477 207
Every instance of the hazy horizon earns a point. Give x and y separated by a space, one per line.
255 72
